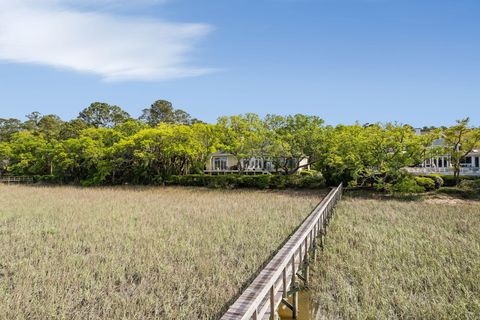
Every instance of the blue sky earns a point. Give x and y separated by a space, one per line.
410 61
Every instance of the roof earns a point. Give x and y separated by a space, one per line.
220 153
438 142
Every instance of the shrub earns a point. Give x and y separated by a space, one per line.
407 185
221 181
437 178
259 182
470 185
196 180
266 181
312 182
449 180
279 181
425 182
308 172
46 179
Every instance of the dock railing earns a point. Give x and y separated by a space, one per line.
278 279
15 179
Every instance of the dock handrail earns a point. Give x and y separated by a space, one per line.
19 179
261 299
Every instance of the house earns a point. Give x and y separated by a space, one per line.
470 164
223 163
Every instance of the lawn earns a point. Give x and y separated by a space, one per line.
398 259
136 253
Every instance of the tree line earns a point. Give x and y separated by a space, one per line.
105 145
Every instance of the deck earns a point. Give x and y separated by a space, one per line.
465 171
274 283
231 171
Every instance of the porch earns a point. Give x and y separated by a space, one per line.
236 171
464 171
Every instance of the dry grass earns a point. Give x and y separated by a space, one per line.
393 259
136 253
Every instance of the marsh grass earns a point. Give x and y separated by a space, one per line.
397 258
136 253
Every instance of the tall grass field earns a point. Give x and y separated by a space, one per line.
393 259
136 253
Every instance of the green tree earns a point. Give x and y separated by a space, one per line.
294 139
130 127
208 138
162 111
5 156
85 159
8 127
373 153
50 126
27 154
33 119
154 154
103 115
460 140
72 129
244 136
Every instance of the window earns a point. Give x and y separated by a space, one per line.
269 166
252 163
466 162
427 163
220 163
258 164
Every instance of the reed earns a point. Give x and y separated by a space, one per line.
136 253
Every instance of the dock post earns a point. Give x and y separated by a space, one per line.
273 311
322 238
307 273
307 263
295 305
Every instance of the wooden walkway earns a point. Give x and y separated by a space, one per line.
15 179
278 279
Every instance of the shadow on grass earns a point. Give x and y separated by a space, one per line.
452 192
460 193
372 194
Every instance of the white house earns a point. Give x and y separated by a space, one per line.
470 164
223 163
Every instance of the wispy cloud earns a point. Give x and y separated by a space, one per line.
54 33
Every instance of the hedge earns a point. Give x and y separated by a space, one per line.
449 180
437 179
407 185
470 185
266 181
426 182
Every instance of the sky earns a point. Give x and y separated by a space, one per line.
407 61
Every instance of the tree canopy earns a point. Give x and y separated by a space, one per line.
105 145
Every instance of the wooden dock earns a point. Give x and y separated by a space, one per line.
15 179
279 278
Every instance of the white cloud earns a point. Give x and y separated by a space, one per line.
51 32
